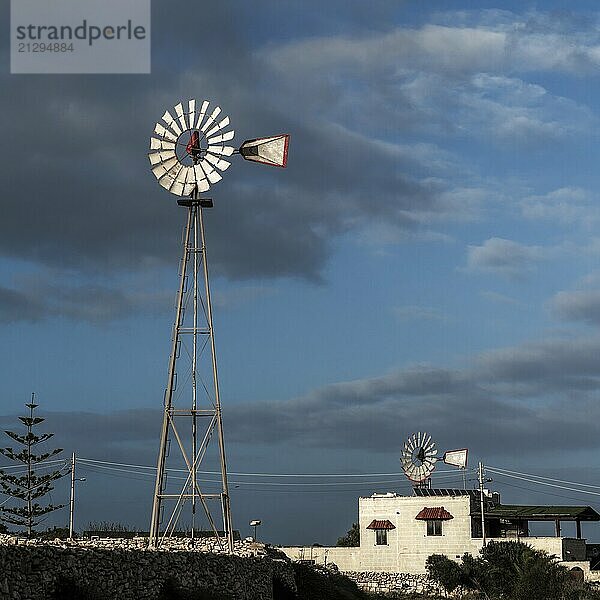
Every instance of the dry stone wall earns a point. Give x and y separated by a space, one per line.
128 570
380 582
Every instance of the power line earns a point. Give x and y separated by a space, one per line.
554 485
597 487
240 474
520 487
43 465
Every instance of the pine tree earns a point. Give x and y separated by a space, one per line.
31 486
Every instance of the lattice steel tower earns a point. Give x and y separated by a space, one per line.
186 154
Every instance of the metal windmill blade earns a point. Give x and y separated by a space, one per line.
186 152
418 456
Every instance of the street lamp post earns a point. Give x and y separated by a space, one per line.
255 523
72 501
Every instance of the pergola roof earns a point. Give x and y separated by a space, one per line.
544 513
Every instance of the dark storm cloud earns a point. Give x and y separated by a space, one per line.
17 306
559 365
39 299
122 436
78 192
537 397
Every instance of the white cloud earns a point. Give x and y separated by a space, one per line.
505 257
418 313
566 206
499 298
432 48
577 305
441 78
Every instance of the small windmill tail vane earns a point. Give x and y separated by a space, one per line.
190 148
419 456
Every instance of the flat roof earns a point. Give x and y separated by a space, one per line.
452 492
544 513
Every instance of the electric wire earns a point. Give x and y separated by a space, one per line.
446 475
401 473
527 489
45 463
323 486
507 471
554 485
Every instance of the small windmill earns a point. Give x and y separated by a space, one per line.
189 150
419 456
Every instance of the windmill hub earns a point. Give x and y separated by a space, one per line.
191 147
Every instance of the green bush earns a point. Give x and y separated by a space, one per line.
444 572
509 571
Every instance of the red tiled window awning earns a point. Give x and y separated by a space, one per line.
381 524
429 514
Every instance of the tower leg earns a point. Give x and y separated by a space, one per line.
193 453
227 526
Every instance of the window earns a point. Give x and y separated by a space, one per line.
381 527
434 527
381 537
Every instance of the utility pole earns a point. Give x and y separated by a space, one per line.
481 503
72 502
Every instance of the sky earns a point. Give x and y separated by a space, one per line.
428 260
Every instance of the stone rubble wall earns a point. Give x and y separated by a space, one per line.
128 570
381 582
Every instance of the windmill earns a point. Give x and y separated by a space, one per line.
189 150
419 456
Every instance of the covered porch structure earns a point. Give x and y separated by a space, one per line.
512 520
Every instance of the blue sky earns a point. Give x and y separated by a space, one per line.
427 261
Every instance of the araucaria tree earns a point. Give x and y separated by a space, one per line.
29 487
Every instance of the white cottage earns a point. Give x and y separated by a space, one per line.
398 533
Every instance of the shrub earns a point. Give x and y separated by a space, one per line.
508 571
444 571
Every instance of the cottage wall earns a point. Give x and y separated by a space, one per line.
408 544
